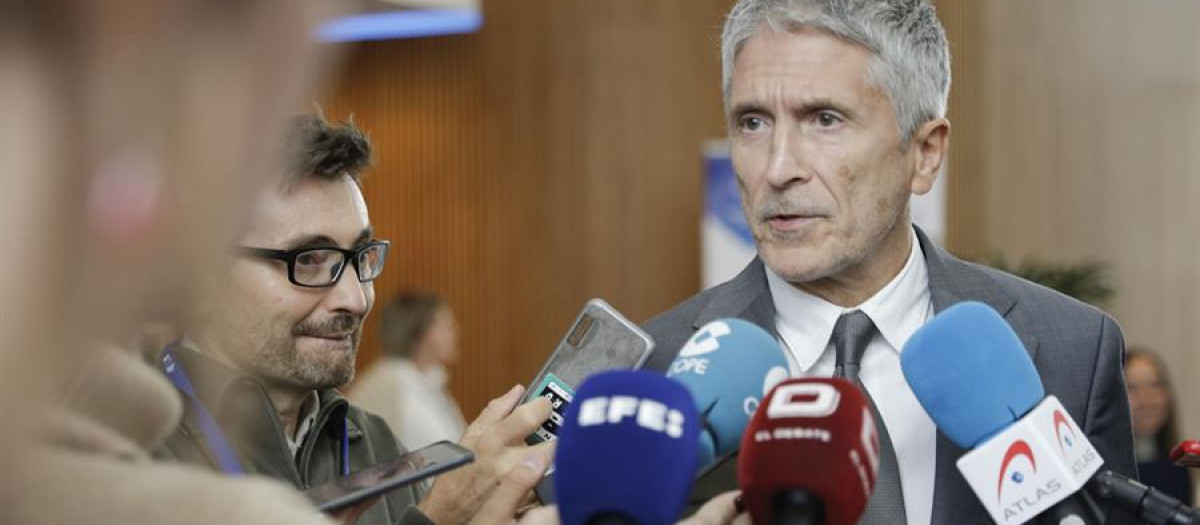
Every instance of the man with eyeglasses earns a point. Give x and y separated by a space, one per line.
260 367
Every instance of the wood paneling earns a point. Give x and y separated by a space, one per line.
552 157
1088 114
964 181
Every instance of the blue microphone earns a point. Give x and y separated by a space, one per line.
626 452
1028 458
971 373
729 365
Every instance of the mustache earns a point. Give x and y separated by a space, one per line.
338 324
775 206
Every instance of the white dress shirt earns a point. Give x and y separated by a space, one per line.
805 325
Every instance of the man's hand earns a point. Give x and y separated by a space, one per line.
497 437
721 510
503 505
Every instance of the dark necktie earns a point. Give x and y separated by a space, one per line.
851 335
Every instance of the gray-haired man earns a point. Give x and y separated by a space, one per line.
836 114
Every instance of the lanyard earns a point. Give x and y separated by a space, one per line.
213 436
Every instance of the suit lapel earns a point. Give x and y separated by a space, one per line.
746 297
953 281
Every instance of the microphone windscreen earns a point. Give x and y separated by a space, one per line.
627 449
728 365
971 373
815 435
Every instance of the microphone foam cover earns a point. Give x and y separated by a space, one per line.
816 435
628 448
728 365
971 373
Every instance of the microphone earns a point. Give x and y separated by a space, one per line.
1147 503
1186 454
810 455
728 365
626 452
973 376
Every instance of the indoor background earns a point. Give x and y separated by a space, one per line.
555 155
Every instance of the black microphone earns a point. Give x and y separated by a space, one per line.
1146 503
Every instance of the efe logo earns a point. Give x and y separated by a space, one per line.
648 413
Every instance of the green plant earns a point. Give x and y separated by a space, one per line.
1087 281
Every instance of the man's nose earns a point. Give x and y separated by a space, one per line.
348 293
785 163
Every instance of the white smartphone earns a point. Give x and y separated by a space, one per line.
600 339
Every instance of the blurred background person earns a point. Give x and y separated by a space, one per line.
1155 426
408 386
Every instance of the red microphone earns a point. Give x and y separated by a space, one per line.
810 454
1187 454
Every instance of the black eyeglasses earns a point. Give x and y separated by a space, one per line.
321 267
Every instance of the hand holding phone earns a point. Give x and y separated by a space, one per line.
497 437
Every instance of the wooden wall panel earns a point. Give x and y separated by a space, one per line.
964 184
1088 115
552 157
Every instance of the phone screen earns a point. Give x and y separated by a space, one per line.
389 475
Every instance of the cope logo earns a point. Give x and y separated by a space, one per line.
1018 449
706 340
1066 439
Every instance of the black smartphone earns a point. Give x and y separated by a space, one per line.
388 476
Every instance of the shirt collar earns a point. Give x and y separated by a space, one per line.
313 404
805 321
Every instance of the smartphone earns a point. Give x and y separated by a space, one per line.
600 339
1187 454
390 475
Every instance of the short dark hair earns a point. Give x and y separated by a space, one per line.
323 150
406 320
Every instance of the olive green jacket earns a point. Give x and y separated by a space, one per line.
240 405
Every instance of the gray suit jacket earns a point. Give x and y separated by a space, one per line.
1078 351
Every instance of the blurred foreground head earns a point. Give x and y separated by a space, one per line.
134 143
134 140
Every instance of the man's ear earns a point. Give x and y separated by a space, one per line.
929 146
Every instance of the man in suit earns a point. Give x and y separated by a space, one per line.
836 114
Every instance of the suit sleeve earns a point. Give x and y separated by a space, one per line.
1108 424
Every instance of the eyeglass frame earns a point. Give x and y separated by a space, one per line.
289 257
